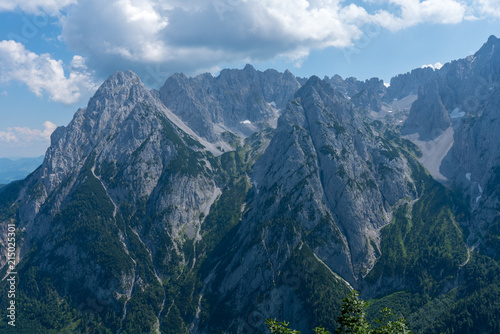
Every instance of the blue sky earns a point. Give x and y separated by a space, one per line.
55 53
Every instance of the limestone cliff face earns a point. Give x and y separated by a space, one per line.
217 202
236 101
326 184
459 88
365 94
407 84
428 115
120 191
465 94
473 162
470 90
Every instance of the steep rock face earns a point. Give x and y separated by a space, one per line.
370 96
471 88
458 88
344 144
476 146
408 84
428 115
121 190
466 83
367 95
472 164
349 87
322 190
239 101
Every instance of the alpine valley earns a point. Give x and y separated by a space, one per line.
214 203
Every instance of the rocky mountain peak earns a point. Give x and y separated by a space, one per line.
320 92
306 192
119 84
235 103
249 68
407 84
428 115
490 47
121 88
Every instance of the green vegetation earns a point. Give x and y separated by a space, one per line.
339 129
318 288
424 243
224 214
441 288
352 319
8 196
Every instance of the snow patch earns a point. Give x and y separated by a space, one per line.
456 113
434 151
245 122
480 188
478 198
467 176
389 111
387 85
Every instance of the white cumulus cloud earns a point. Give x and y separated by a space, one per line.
436 66
190 35
156 37
44 75
25 135
487 8
24 141
51 7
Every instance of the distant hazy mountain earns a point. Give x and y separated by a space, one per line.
217 202
11 170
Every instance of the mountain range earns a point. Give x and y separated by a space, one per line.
214 203
16 169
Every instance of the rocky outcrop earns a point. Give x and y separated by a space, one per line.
428 115
458 88
370 96
407 84
121 188
137 207
325 185
238 101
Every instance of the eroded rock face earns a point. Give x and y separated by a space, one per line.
458 88
118 172
131 208
238 101
325 184
332 158
428 115
464 94
408 84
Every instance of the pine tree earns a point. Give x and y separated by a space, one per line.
352 318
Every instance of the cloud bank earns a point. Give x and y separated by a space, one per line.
193 35
157 37
24 141
42 74
26 136
51 7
